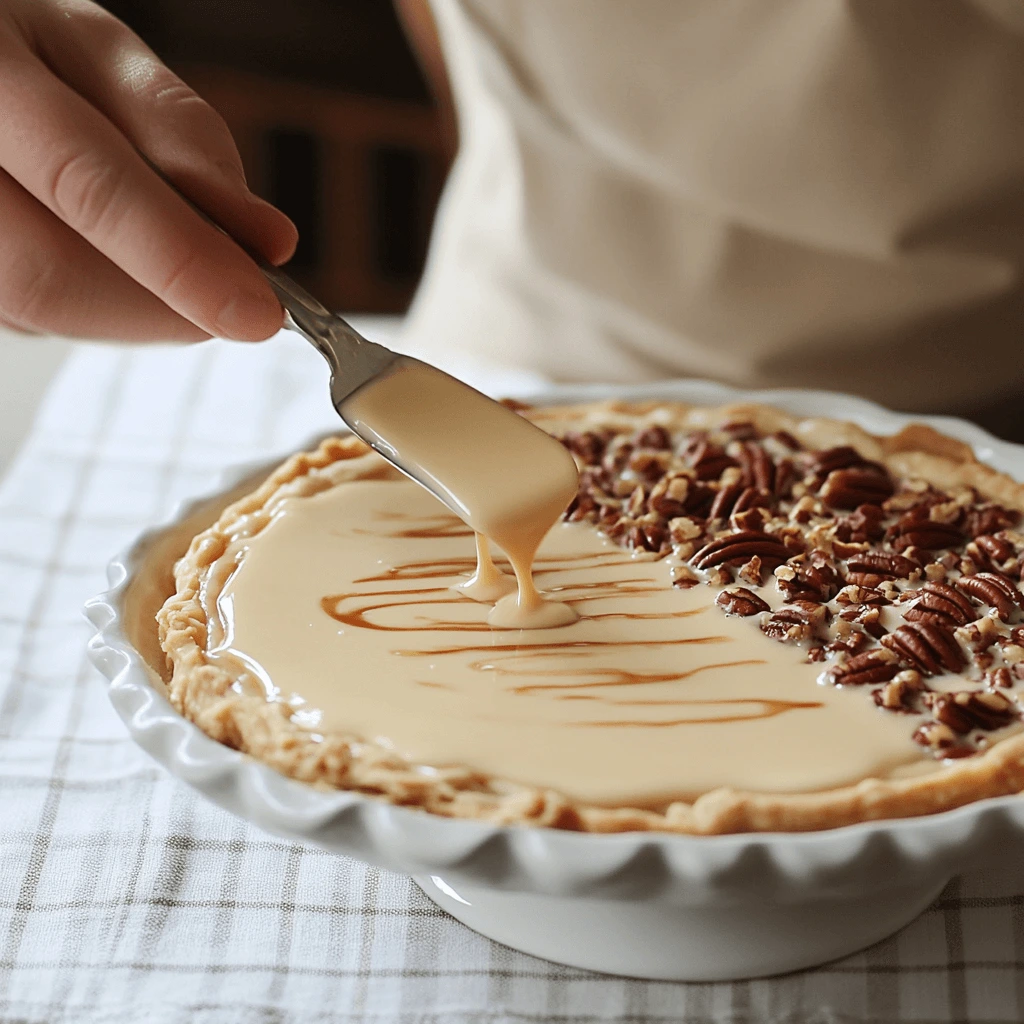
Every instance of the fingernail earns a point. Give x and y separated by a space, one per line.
249 316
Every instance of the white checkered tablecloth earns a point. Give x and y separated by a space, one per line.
126 898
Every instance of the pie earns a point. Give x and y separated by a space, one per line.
787 624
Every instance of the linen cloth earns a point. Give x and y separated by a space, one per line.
124 897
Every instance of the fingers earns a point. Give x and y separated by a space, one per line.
102 60
52 281
64 152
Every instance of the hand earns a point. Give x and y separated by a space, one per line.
93 244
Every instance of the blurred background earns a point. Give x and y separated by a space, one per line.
340 123
341 112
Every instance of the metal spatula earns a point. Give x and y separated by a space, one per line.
357 364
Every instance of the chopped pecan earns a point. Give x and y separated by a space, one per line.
734 498
685 528
616 455
813 577
649 465
752 572
979 635
739 547
874 666
787 440
1001 677
684 577
925 646
942 740
901 692
864 524
588 445
993 589
668 496
654 436
872 567
741 602
940 603
861 595
849 488
749 519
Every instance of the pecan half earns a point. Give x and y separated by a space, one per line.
990 519
739 547
757 465
990 551
993 589
939 603
874 666
708 460
925 646
741 601
848 488
872 567
973 709
916 529
841 457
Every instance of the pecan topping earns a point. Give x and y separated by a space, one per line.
925 646
741 602
739 547
941 604
875 666
734 498
993 589
872 567
848 488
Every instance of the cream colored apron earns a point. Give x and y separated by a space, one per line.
820 193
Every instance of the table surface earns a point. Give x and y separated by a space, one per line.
29 366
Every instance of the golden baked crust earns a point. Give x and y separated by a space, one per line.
206 692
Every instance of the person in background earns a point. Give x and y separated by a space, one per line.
821 193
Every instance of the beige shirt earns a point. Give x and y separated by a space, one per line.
822 193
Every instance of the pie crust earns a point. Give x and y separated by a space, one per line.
939 510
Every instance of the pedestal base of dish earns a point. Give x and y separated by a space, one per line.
654 939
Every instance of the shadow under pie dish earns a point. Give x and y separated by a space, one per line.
785 624
647 903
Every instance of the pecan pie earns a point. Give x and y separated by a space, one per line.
785 624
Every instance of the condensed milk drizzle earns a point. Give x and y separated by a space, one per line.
506 478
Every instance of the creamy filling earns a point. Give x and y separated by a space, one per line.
344 608
504 476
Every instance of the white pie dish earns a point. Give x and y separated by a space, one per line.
641 904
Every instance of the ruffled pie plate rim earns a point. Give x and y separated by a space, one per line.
692 870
